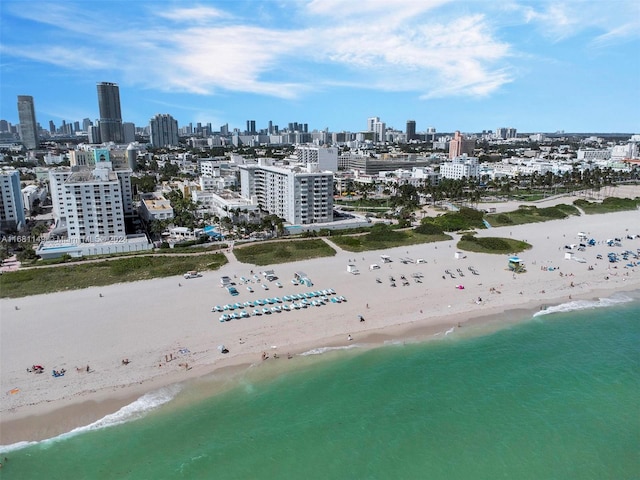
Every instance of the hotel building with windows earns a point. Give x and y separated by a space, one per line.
298 195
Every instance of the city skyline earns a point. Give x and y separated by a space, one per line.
468 66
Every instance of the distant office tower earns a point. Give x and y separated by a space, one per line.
4 126
86 123
52 127
164 131
93 132
251 127
224 129
411 130
459 146
28 125
110 114
505 133
11 203
378 128
128 132
431 134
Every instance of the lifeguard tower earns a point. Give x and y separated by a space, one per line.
516 265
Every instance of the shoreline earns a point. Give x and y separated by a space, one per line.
63 416
149 320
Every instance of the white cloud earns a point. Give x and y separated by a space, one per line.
74 58
408 45
192 14
604 22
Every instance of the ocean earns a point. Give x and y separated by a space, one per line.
551 396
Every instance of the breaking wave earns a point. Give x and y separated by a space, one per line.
584 305
132 411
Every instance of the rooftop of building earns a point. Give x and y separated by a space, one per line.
87 176
155 204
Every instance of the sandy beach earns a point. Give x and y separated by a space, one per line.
167 332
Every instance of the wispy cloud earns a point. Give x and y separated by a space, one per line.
605 22
199 14
73 58
405 46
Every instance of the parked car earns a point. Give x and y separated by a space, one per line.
192 274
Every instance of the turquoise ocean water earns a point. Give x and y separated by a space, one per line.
555 396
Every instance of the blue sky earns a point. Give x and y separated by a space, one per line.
538 66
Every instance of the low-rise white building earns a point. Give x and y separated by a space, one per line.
153 206
460 167
30 194
74 248
225 203
592 154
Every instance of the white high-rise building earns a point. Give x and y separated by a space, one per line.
57 179
91 199
11 204
326 158
94 206
300 197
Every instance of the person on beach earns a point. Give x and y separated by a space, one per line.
88 368
349 338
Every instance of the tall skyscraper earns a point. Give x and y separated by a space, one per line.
164 131
28 125
411 130
110 114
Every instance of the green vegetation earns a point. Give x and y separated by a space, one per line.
71 277
360 203
283 251
464 219
499 245
531 214
382 236
609 204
